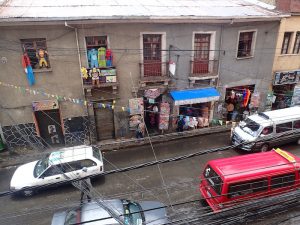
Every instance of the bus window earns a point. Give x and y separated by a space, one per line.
296 124
247 187
283 180
213 179
283 127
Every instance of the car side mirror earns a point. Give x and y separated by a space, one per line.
84 169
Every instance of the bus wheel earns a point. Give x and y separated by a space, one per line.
264 148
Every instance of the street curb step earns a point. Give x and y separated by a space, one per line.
119 144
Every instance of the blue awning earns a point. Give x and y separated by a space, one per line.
194 96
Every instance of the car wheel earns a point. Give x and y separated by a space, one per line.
264 148
28 193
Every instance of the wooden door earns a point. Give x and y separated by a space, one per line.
152 55
201 54
104 123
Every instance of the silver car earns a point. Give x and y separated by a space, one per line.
133 213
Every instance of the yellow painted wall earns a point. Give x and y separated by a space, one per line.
290 61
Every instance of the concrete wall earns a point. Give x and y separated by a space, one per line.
255 70
63 80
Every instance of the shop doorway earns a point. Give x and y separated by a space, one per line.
104 122
237 102
151 115
50 127
284 94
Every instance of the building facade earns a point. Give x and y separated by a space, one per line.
81 78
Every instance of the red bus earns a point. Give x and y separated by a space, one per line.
229 181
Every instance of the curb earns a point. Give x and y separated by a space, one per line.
118 145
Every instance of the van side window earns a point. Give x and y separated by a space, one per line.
283 180
267 130
283 127
247 187
296 124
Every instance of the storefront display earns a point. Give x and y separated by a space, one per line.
164 116
136 111
240 101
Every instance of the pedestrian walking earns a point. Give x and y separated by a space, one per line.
85 187
140 130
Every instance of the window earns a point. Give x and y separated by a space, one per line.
283 127
296 124
52 171
152 46
296 49
36 50
87 163
267 130
245 45
96 51
286 42
283 180
213 179
247 187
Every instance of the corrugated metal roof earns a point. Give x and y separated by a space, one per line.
33 10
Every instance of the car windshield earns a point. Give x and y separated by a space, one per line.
133 214
250 127
41 166
73 217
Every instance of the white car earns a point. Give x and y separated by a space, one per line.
56 167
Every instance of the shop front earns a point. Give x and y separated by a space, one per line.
285 89
194 107
240 102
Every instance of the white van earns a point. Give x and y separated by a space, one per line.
262 131
56 167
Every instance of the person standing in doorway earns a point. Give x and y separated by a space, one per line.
230 108
140 130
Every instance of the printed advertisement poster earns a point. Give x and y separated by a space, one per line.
136 106
164 116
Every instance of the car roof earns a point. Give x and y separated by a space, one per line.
70 154
253 165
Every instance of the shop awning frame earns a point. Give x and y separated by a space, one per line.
193 96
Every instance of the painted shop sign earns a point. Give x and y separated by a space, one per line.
44 105
289 77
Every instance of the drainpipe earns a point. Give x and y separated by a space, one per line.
80 65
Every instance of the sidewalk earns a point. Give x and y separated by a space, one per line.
19 156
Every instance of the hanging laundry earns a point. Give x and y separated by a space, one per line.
28 69
101 57
92 58
246 97
109 58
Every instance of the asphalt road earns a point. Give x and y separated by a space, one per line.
181 179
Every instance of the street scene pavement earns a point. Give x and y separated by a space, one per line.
180 178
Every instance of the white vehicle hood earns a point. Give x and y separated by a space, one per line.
243 135
23 176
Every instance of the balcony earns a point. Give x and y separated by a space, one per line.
153 73
204 69
107 78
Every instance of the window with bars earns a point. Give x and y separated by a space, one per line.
36 50
286 42
245 45
296 49
152 47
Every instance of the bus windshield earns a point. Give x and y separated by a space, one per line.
250 127
213 179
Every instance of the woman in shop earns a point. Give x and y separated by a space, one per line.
230 108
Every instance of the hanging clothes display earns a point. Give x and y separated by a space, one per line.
109 58
28 69
101 57
92 58
246 97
